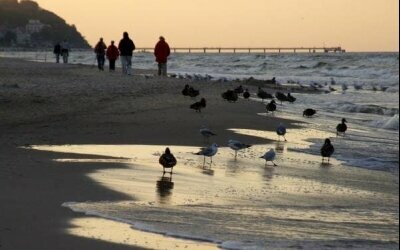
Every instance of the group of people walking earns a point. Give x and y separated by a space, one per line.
124 51
62 50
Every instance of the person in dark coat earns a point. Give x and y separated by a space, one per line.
112 55
57 52
161 52
100 50
126 48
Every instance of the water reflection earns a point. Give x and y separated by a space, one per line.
208 171
164 188
268 173
280 147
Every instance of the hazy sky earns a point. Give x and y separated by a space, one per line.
356 25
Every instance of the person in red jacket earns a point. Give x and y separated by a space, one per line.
112 55
162 51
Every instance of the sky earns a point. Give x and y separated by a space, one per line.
356 25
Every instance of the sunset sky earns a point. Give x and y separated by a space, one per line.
356 25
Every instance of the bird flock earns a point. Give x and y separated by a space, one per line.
168 161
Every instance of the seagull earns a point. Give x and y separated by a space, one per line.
291 98
309 112
269 156
193 92
341 127
271 106
344 87
281 131
239 89
167 160
272 81
237 145
185 90
206 133
327 150
199 105
263 94
281 97
208 151
230 96
246 94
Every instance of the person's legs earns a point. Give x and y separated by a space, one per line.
129 65
57 58
102 62
164 69
159 69
124 64
112 65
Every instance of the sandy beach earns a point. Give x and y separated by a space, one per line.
70 134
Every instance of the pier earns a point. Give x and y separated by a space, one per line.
251 50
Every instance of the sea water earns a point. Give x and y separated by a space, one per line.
304 205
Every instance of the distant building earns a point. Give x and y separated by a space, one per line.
34 26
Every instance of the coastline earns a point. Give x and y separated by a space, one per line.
49 104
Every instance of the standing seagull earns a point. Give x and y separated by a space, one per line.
327 150
309 112
269 156
206 133
281 131
208 151
291 98
237 145
271 106
167 160
341 128
199 105
246 94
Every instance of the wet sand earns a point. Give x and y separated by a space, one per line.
77 106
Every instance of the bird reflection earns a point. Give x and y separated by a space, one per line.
268 173
208 171
280 147
164 187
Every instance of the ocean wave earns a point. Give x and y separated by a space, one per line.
359 108
391 123
320 65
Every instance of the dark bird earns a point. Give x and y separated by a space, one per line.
185 90
309 112
272 81
271 107
199 105
193 92
281 97
246 94
341 128
327 150
263 94
281 131
230 96
167 160
239 89
291 98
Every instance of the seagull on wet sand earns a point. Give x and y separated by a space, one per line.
167 160
237 145
199 105
208 151
327 150
341 128
271 107
246 94
309 112
206 133
269 156
281 131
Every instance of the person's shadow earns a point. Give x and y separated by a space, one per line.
164 187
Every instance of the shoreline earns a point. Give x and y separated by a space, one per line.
77 105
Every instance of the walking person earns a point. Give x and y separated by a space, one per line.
57 52
112 55
100 50
126 48
65 48
161 52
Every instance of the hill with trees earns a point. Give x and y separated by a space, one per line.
25 24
